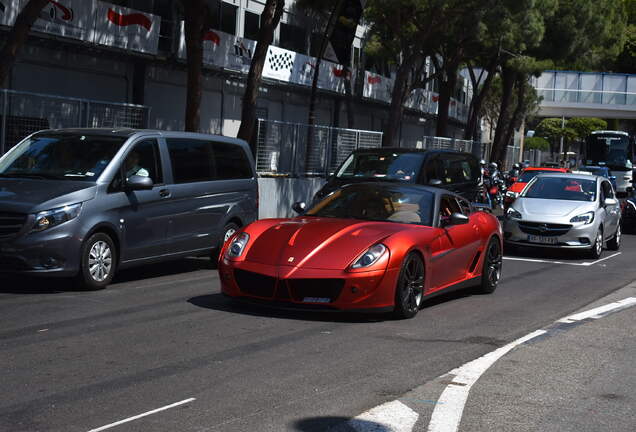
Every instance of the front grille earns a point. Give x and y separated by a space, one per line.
315 288
544 229
11 223
255 284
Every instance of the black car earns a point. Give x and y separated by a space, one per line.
628 217
452 170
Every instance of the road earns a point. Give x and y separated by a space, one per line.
164 335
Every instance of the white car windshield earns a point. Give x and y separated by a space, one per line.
561 188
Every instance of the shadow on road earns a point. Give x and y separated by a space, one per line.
338 424
221 303
545 253
169 268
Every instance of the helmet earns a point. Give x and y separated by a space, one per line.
516 166
482 162
492 165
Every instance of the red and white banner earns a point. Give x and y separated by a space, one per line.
9 10
377 87
67 18
126 28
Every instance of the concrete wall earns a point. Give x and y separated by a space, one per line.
276 195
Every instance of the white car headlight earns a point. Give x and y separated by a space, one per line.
588 218
370 257
238 245
50 218
513 214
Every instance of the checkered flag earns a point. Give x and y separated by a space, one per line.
282 61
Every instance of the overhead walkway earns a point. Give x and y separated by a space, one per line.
585 94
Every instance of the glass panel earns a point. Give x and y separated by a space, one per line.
252 24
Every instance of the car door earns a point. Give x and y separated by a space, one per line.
612 211
456 247
142 213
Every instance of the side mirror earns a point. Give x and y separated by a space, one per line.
299 207
610 201
458 219
435 182
136 182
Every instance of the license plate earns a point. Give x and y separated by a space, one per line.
543 240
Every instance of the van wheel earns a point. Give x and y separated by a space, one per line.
228 231
98 262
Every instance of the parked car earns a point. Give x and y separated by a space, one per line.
602 171
451 170
372 246
86 202
628 213
565 211
526 175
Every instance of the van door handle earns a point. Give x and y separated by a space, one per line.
164 193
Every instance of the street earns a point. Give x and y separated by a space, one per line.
164 337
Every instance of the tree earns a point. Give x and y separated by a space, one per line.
537 143
583 126
270 18
195 14
626 61
18 35
553 130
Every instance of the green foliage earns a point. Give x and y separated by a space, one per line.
536 143
583 126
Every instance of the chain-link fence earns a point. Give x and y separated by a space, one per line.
295 149
22 113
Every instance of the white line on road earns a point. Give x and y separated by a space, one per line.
599 311
390 417
138 416
583 264
446 416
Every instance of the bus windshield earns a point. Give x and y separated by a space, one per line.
611 150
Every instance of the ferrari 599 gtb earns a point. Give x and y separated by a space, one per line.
366 247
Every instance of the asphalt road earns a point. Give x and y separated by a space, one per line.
78 361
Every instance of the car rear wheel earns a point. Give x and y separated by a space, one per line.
228 231
410 287
491 273
615 242
98 262
597 248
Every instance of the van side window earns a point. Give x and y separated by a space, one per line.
607 190
231 162
192 160
458 169
143 160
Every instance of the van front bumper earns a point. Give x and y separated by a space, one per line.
55 252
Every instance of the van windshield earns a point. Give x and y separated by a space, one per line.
385 166
63 157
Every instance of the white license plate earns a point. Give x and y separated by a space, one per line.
543 240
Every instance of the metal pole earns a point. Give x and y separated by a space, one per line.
561 144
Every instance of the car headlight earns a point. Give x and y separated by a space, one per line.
588 218
511 194
370 257
238 245
50 218
513 214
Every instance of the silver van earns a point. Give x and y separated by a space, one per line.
86 202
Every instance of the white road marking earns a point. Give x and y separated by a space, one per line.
390 417
138 416
599 311
447 415
583 264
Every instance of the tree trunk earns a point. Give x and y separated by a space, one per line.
18 35
479 94
269 21
508 82
447 87
194 28
518 113
398 95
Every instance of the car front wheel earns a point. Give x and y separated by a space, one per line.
597 247
410 287
98 262
615 243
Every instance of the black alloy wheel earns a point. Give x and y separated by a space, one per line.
491 273
410 287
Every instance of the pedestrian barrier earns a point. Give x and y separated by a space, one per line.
22 113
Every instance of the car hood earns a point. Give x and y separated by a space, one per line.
534 208
318 243
517 187
31 195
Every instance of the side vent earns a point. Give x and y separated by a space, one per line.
474 264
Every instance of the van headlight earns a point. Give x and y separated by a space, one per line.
50 218
238 245
588 218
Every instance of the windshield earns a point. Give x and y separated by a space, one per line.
66 157
526 176
611 150
603 172
387 166
561 188
378 203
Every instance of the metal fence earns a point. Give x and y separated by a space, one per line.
23 113
282 148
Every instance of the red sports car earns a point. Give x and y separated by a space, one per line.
366 247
